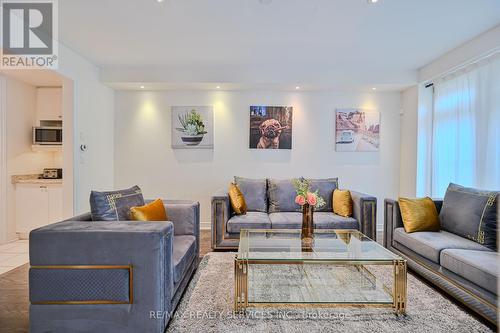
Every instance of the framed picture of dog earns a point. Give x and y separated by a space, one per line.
271 127
357 130
192 127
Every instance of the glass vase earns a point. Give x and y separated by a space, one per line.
307 226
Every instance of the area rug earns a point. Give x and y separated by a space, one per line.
208 303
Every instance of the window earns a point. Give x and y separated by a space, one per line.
459 130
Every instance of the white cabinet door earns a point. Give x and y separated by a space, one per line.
55 203
32 207
49 104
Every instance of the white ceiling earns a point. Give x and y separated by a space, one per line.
35 77
309 42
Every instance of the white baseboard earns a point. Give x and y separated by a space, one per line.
205 226
23 235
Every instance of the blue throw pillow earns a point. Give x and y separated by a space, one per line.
282 195
325 189
114 205
255 193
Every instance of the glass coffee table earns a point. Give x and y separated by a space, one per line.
335 268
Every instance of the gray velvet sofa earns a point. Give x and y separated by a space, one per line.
271 205
113 276
464 269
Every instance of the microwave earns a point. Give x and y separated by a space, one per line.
47 136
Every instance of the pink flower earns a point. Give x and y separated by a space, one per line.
311 199
300 200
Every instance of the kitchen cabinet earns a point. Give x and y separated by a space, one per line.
37 205
48 103
55 204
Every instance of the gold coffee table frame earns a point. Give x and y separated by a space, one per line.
244 258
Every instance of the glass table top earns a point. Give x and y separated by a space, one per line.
326 245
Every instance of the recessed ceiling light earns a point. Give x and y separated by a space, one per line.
372 1
159 0
142 87
297 88
374 88
218 87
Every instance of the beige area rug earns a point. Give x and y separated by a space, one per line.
208 302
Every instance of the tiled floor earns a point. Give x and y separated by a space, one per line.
13 254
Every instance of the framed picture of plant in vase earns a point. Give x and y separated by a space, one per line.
192 127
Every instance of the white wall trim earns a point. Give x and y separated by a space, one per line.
463 66
205 225
477 48
3 160
69 148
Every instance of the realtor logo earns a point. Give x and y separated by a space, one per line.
29 34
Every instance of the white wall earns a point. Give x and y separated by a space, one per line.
476 47
90 105
21 116
143 154
408 165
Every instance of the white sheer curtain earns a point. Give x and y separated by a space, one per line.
459 132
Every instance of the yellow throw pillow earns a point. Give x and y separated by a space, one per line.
342 203
237 199
419 214
153 211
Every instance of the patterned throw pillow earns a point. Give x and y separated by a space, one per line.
114 205
471 213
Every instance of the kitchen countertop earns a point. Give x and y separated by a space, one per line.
34 179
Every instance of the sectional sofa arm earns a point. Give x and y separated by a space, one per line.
392 220
221 212
365 211
125 262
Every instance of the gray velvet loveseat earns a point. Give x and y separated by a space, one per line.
461 267
112 276
271 205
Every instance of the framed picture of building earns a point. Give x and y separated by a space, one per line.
357 130
192 127
271 127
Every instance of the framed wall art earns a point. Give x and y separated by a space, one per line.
357 130
192 127
271 127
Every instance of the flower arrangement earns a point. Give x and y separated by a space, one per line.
192 124
305 194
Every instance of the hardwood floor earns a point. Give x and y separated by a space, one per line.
205 243
14 303
14 300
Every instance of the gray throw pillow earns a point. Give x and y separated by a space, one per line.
326 187
282 196
255 193
114 205
470 213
